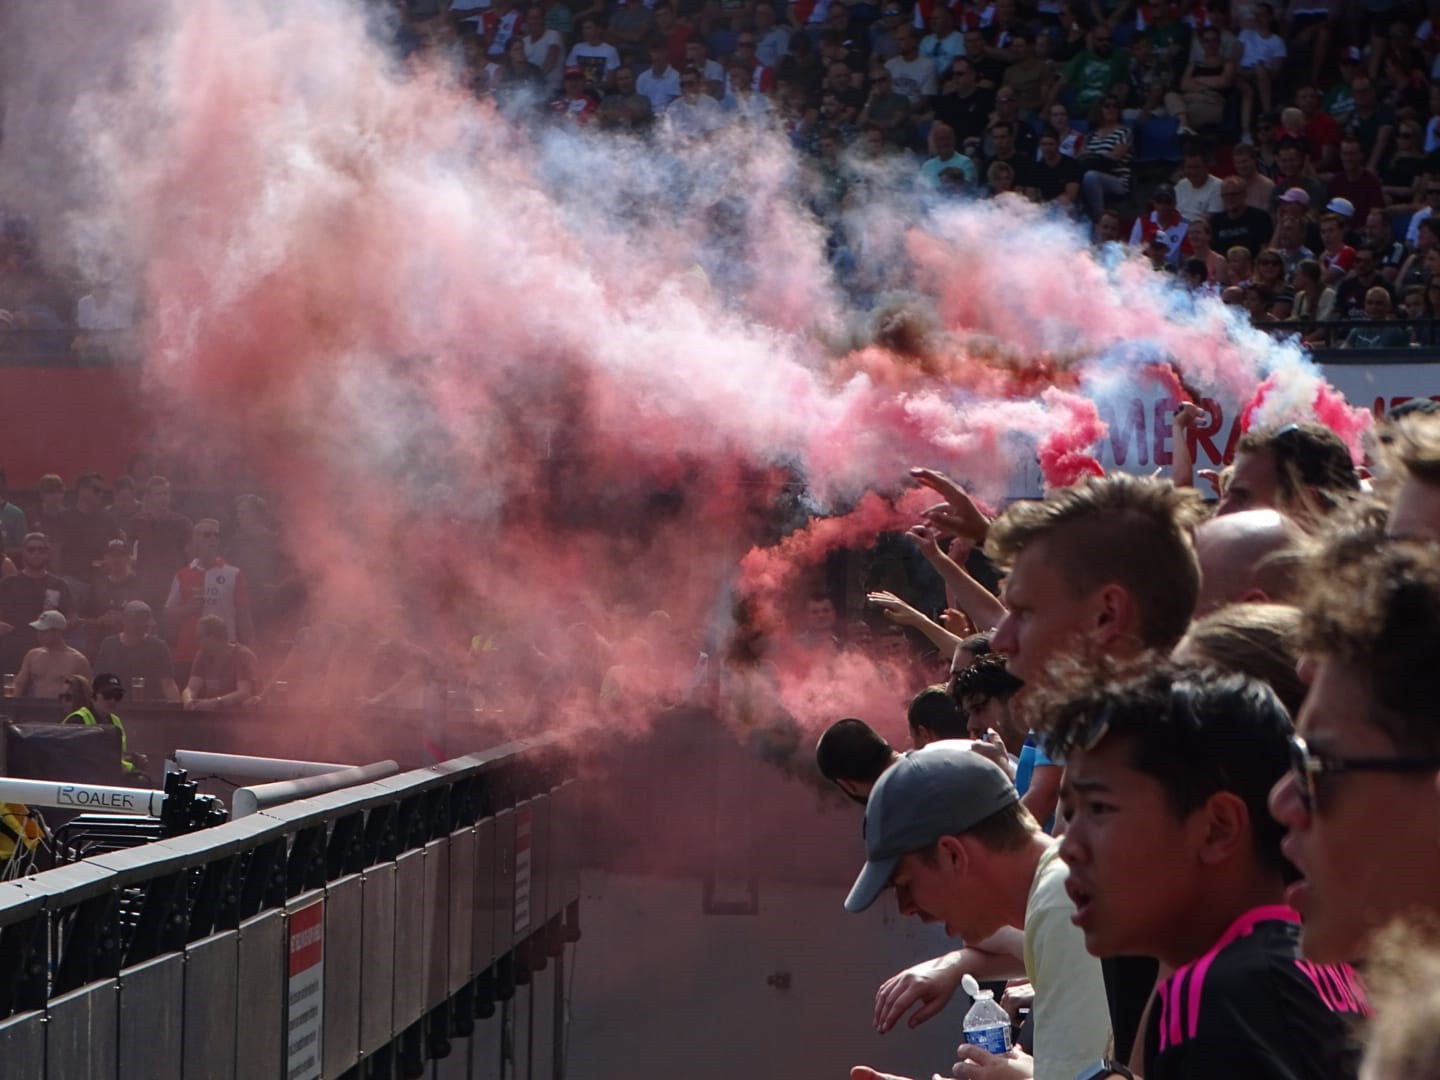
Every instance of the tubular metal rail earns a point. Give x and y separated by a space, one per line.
350 934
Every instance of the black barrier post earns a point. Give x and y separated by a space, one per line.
486 994
412 1052
91 932
437 1031
214 907
160 926
345 853
462 1017
557 1026
382 835
305 867
22 965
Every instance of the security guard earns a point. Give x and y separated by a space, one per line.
95 704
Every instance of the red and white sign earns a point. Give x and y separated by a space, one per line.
524 839
1139 436
305 1011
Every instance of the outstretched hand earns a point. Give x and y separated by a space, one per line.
958 515
894 609
930 985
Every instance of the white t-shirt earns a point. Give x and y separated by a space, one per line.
1257 50
598 61
537 51
1072 1019
913 78
1193 202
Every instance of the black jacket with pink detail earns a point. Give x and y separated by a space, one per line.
1253 1007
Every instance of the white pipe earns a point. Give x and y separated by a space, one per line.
205 763
86 798
250 800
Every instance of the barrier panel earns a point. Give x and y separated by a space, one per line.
355 933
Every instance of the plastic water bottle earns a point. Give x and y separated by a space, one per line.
987 1025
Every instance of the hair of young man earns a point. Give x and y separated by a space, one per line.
1256 640
977 645
1307 456
1005 830
984 681
1197 731
1136 532
937 712
1402 974
851 749
1416 440
49 484
37 538
1373 605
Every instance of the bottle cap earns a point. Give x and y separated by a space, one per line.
969 985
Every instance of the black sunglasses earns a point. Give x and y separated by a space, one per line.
112 695
1306 766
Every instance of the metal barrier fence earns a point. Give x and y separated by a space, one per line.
351 934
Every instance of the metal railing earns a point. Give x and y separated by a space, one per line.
356 932
1332 333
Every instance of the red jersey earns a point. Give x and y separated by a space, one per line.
225 592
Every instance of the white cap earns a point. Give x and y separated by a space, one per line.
49 620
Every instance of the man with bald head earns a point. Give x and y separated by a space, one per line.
1246 558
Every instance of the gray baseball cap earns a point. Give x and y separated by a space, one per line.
943 790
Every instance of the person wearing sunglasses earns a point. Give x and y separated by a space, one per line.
1360 804
1173 854
1299 470
94 702
25 596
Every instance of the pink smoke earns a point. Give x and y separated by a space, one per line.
498 406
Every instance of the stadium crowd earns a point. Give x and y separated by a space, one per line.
1283 159
1178 801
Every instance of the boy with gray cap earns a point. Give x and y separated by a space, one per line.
945 828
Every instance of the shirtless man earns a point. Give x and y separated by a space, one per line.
42 672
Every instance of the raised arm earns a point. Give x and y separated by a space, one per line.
983 608
902 614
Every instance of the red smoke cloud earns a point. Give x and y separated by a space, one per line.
528 390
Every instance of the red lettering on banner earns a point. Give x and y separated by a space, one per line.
1126 429
1163 408
307 938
